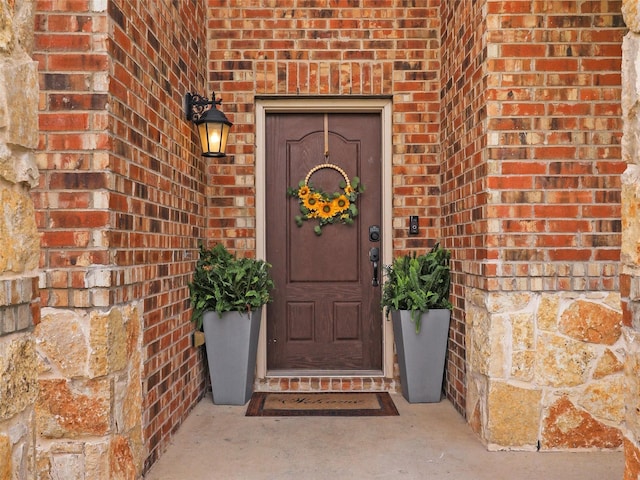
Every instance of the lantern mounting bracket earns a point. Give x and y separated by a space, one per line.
195 105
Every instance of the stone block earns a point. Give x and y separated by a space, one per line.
566 427
474 418
591 322
504 427
632 377
122 463
23 25
522 365
20 241
20 431
488 343
97 460
476 394
128 396
7 40
562 362
63 341
631 460
629 98
477 340
612 300
631 15
547 314
630 245
511 302
19 103
18 374
67 465
6 462
18 166
108 342
605 399
138 447
134 335
522 331
71 459
608 364
499 354
71 408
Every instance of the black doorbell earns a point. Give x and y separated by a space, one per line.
413 225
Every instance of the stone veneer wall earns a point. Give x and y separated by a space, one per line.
556 359
630 255
101 171
88 413
19 240
531 206
121 209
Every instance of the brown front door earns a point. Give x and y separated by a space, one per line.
326 311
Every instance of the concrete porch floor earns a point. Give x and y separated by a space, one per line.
427 441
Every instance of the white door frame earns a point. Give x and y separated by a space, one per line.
381 105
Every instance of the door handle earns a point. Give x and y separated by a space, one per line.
374 258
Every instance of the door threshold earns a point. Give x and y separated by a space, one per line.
323 373
326 381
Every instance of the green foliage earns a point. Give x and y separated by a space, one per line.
307 193
418 283
224 283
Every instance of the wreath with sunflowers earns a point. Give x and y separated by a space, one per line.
327 208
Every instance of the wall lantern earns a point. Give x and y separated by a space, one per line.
213 126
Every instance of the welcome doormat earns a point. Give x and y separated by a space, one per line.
332 404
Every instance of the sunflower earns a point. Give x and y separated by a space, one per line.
326 210
304 191
340 204
311 201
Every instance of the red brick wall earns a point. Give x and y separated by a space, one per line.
506 134
369 47
72 205
122 198
554 125
531 150
464 168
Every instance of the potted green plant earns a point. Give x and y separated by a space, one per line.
227 295
416 296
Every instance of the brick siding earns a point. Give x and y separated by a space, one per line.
121 203
464 170
553 147
531 150
381 47
506 142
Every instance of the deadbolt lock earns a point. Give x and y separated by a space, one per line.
374 233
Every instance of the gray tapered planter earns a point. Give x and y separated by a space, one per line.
421 356
232 344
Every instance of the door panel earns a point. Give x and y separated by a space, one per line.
326 312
